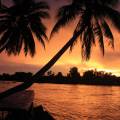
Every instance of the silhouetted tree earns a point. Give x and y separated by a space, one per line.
88 75
73 73
22 76
19 23
5 76
59 75
50 73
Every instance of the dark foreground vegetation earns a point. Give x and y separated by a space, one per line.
38 113
93 77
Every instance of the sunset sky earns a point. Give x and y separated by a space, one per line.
110 62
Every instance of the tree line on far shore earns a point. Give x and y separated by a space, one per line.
73 77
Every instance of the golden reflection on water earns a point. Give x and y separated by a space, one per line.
76 102
79 102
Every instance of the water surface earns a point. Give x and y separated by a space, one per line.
78 102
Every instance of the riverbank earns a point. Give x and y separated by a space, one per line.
99 82
89 77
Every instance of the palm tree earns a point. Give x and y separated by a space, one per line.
19 23
93 17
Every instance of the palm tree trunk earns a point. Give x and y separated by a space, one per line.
41 72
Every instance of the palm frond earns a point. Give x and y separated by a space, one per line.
87 42
4 39
65 15
84 25
99 34
15 42
29 44
38 27
72 45
114 16
40 14
26 48
37 31
84 21
3 27
18 41
107 32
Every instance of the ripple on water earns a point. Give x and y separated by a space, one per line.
78 102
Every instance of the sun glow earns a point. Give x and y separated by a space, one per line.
94 64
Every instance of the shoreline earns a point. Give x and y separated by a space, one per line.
70 83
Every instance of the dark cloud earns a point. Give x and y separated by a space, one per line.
14 67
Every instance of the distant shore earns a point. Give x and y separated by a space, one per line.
73 83
89 78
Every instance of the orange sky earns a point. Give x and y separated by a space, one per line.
110 62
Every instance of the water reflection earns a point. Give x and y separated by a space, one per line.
68 102
77 102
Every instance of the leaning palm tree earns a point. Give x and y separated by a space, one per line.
18 25
93 24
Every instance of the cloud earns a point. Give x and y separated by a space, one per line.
11 68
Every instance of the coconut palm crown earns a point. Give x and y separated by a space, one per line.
20 23
94 18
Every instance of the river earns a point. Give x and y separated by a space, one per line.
76 102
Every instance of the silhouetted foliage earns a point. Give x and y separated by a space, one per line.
38 113
93 77
19 76
59 75
92 22
50 73
19 23
73 73
88 75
